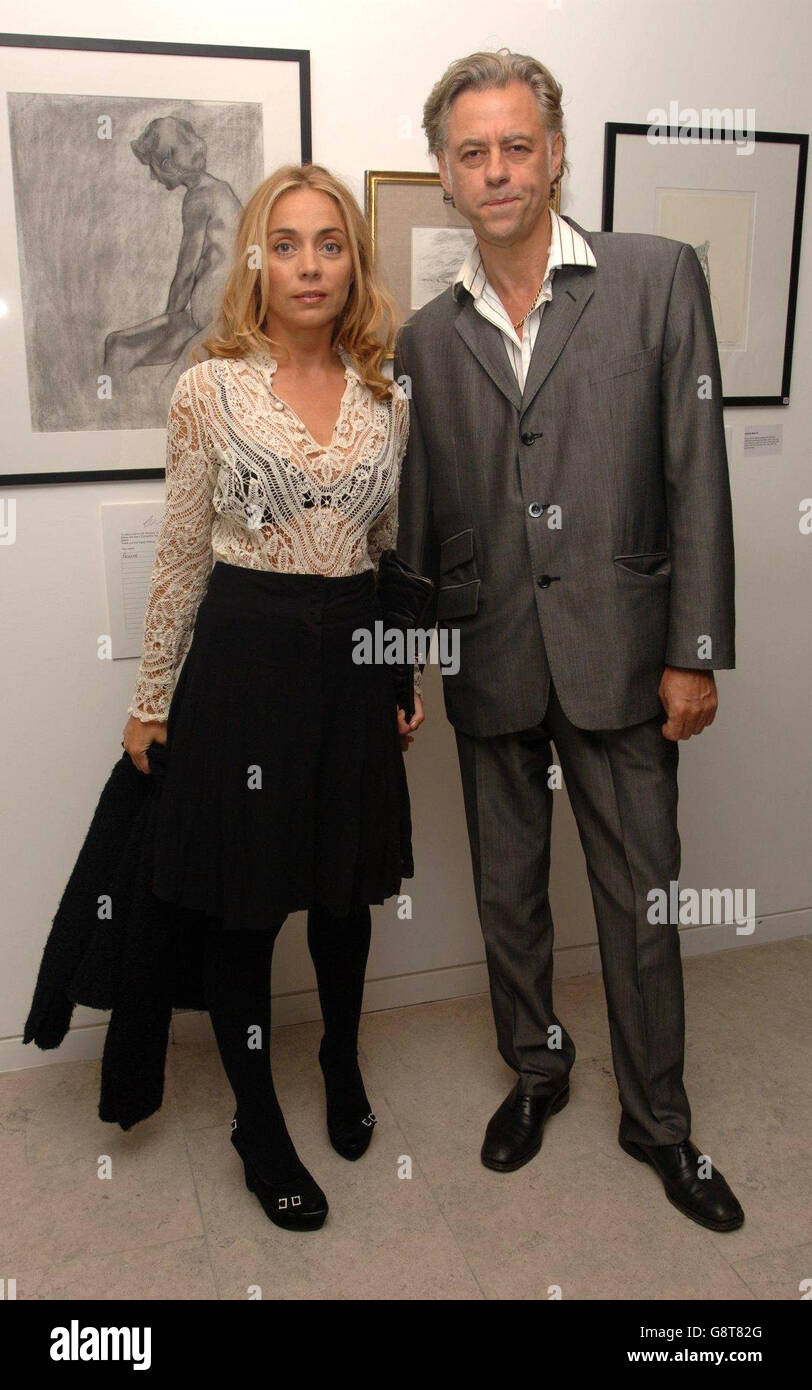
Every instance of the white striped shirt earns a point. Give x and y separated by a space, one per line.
567 247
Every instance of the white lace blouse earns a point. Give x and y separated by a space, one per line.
248 484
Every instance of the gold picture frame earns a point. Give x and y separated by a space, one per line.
416 268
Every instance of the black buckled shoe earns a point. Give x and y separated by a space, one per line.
709 1201
296 1205
350 1119
515 1131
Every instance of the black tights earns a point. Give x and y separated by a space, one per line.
237 984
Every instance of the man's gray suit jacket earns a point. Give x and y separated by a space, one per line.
620 426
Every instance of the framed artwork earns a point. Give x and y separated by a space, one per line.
124 168
419 240
738 199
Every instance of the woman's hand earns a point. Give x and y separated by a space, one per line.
407 728
137 736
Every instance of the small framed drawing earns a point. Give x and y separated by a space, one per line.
420 241
706 186
124 168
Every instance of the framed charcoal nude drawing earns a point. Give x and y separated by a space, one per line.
110 270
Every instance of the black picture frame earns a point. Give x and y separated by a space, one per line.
704 135
300 57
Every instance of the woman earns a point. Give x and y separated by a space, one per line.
285 787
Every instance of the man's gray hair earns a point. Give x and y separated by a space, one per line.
481 70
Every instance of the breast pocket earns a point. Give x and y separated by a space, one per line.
458 592
624 364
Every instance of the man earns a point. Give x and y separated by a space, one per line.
566 487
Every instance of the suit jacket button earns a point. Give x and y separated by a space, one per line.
535 509
544 582
527 438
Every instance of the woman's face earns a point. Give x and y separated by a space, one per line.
309 263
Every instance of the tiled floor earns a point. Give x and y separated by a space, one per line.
176 1221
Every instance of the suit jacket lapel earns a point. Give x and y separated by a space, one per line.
488 347
572 291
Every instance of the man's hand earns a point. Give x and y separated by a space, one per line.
690 701
407 728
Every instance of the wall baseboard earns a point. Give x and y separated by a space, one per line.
86 1042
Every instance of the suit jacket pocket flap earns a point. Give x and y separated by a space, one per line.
456 550
457 600
652 563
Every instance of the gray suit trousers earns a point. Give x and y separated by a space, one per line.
622 785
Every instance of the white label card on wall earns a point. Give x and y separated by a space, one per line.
129 533
765 440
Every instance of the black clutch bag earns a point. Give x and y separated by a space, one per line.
405 598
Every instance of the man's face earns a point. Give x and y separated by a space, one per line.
497 164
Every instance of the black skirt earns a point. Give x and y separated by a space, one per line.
285 784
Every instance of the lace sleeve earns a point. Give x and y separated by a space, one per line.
183 556
383 533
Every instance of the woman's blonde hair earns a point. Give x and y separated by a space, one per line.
481 70
365 327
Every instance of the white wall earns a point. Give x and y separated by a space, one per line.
745 786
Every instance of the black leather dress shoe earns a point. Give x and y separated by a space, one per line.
706 1200
515 1131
